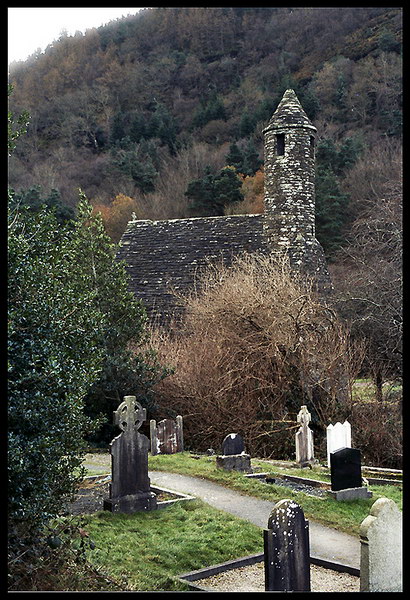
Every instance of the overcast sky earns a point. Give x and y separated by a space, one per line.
33 28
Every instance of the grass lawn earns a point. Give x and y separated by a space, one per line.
345 516
146 551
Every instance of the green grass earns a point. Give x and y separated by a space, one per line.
344 516
146 551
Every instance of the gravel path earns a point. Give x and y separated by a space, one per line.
251 579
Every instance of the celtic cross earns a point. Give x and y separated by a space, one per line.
130 415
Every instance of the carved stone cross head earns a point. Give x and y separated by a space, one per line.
130 415
304 417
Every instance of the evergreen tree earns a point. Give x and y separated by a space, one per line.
251 161
234 157
212 193
246 124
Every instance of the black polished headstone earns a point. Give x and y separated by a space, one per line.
233 444
345 469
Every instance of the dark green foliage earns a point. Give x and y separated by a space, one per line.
332 205
212 193
234 158
134 162
35 202
245 161
246 124
71 317
331 211
55 342
15 126
210 110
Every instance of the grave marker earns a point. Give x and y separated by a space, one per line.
346 475
286 549
130 485
233 444
338 436
167 436
304 438
381 553
233 456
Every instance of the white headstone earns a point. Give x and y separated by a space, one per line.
381 554
338 436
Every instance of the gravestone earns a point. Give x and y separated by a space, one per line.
304 438
338 436
346 475
130 485
233 456
233 444
167 436
381 553
286 549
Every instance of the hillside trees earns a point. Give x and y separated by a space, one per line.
368 272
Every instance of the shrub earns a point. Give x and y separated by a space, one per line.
255 344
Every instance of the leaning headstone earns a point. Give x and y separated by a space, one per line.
346 475
130 485
381 553
338 436
286 549
304 438
233 456
167 436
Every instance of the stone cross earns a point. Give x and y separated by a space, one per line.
130 485
381 553
286 549
304 438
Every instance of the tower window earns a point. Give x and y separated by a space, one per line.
280 144
312 147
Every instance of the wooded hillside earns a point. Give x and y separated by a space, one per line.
135 112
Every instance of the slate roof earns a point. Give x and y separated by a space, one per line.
165 255
289 113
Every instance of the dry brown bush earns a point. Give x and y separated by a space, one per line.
255 344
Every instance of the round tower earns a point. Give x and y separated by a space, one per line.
290 174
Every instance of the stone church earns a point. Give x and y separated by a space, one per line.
166 255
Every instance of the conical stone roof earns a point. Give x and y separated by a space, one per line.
289 113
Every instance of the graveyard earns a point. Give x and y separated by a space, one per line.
191 536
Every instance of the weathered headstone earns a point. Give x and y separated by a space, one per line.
338 436
167 436
381 553
286 549
233 456
233 444
304 438
130 485
346 475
